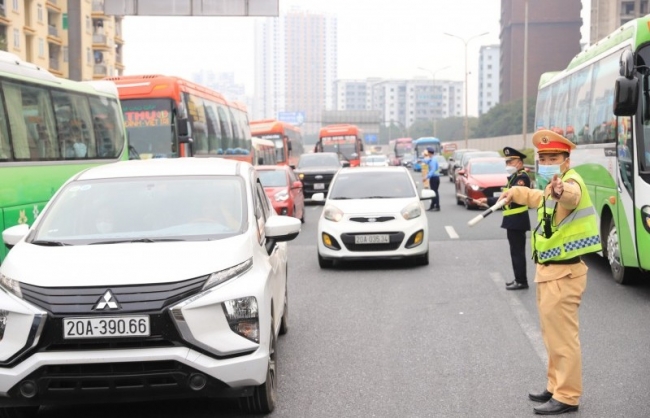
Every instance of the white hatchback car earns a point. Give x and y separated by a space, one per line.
373 212
146 280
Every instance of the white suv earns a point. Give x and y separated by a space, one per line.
146 280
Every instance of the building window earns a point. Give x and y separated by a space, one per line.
89 25
89 56
16 38
41 47
39 12
65 54
15 5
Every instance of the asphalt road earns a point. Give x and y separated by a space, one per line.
445 340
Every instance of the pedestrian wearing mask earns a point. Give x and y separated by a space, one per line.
515 218
567 228
434 178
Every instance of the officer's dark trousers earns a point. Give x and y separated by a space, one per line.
517 241
434 183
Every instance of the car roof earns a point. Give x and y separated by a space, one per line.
166 167
485 160
372 169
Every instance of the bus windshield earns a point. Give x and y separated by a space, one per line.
279 145
345 146
149 126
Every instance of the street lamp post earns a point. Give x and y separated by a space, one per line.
465 42
433 82
524 122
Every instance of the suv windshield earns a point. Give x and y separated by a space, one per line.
145 209
372 184
318 160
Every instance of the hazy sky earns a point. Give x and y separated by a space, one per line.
376 38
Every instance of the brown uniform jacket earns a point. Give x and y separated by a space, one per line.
566 204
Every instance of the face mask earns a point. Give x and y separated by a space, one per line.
104 227
511 170
548 171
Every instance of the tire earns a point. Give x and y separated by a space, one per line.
284 322
264 396
19 412
325 264
612 250
422 260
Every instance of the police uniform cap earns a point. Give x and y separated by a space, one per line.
431 151
512 153
549 142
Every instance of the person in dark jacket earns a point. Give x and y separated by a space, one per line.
434 178
515 218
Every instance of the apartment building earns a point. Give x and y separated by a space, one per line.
488 78
71 38
608 15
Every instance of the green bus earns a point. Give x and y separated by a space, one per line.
609 121
50 129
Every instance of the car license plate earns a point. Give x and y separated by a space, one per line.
106 326
496 194
371 239
319 186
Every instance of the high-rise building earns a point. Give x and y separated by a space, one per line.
553 40
71 38
608 15
401 102
295 66
488 77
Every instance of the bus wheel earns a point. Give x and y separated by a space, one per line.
622 275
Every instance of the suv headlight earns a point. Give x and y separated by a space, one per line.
11 285
281 196
3 322
412 211
222 276
243 318
332 213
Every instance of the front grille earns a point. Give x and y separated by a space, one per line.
490 191
395 238
372 219
309 180
132 298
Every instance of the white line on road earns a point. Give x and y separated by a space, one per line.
526 322
451 232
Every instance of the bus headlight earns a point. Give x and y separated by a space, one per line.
243 318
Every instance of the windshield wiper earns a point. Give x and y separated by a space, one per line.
146 240
376 197
342 198
50 243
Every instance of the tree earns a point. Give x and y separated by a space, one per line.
392 131
505 119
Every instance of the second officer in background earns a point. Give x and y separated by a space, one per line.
515 218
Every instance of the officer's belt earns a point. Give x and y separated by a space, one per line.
573 260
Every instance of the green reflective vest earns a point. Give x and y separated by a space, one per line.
514 208
576 235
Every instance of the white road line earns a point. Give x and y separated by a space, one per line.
526 322
451 232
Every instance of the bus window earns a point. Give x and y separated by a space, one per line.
5 144
214 133
74 120
226 130
107 123
602 119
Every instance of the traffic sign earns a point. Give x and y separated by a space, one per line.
370 138
294 118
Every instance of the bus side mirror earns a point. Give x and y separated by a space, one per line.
626 96
184 131
289 146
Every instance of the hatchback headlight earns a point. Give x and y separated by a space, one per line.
475 187
224 275
412 211
11 285
332 213
281 196
243 317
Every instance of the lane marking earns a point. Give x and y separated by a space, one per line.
525 320
451 232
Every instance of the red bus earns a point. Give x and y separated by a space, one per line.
287 139
345 140
403 147
168 116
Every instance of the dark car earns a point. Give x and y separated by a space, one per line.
316 172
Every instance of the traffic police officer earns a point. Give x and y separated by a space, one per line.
515 218
567 228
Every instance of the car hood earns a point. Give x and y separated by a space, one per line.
371 206
489 180
319 170
122 264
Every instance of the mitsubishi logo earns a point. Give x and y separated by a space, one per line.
106 301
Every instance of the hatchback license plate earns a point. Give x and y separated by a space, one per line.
319 186
371 239
106 326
